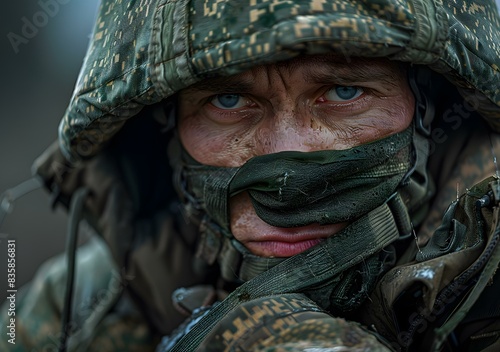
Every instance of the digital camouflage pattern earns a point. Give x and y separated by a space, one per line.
145 51
474 152
286 323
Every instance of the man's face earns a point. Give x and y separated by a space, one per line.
307 104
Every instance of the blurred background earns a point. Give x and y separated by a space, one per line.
39 68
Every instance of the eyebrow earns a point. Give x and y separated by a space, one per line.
349 74
334 73
227 85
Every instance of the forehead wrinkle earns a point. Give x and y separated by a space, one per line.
246 82
318 69
275 76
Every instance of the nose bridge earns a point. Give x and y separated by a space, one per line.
287 123
286 130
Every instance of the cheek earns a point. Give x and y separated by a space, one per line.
242 216
197 139
214 145
396 112
402 109
403 106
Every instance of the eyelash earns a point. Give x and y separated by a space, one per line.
360 92
231 115
240 97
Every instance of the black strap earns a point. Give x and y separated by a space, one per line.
310 268
76 211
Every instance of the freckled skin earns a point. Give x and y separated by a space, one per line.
283 109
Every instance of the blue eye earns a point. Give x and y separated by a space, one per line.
343 93
228 101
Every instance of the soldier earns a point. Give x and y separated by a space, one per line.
297 176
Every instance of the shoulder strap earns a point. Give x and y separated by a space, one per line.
310 268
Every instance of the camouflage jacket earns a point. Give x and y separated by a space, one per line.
113 136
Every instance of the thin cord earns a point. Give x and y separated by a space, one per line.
8 198
75 215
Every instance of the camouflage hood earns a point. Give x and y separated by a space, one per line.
143 52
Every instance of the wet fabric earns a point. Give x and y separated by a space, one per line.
446 279
320 272
466 248
290 189
143 52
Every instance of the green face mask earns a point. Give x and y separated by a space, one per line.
290 189
360 185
